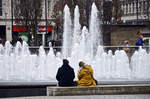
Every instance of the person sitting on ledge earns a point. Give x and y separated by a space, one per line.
85 75
65 75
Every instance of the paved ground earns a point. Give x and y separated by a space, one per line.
39 90
89 97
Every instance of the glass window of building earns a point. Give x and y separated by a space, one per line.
144 6
133 7
129 7
126 8
0 7
148 2
123 6
140 6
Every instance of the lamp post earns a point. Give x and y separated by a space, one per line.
12 17
46 28
53 34
62 20
6 21
7 35
46 15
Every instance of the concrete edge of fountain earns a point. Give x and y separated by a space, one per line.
26 83
49 83
99 90
21 89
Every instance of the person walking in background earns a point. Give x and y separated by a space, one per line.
2 42
85 75
19 38
126 46
65 74
140 39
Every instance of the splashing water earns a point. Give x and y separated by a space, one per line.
77 26
67 35
94 30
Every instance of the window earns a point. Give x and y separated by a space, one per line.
140 6
129 7
144 6
126 8
133 8
123 7
0 7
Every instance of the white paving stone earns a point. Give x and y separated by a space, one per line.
145 96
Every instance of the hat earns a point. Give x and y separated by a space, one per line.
126 42
81 63
65 61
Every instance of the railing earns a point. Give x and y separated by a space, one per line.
35 49
129 49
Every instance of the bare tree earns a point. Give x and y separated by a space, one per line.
84 7
107 12
85 10
58 13
117 11
28 13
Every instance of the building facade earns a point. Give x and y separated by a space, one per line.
8 25
5 20
135 10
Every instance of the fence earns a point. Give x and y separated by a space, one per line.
129 50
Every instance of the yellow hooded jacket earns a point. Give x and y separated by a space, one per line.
85 76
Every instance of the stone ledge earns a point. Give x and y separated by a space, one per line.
99 90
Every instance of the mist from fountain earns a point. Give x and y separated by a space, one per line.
18 64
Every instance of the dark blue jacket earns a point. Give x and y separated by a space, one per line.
65 75
139 42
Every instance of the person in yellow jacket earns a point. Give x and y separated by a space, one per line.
85 75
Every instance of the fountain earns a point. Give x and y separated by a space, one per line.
18 64
67 35
77 26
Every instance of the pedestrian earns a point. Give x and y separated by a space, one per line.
65 75
85 75
126 46
19 38
140 39
2 42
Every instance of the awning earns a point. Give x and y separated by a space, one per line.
39 28
43 29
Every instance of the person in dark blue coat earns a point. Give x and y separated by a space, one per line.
65 74
140 39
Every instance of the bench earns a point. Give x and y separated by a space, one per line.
99 90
